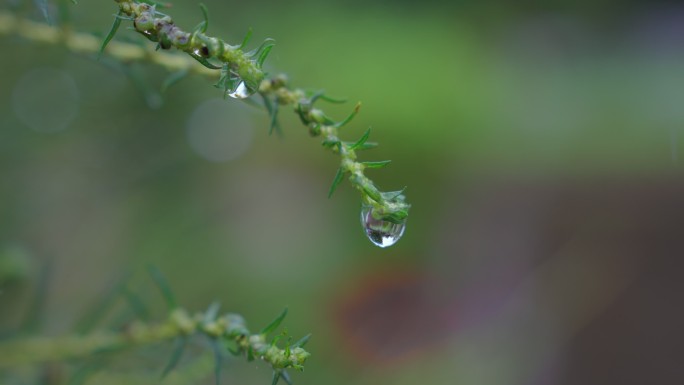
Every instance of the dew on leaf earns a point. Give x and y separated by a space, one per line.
381 233
242 91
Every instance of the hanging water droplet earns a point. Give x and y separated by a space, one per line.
381 233
242 91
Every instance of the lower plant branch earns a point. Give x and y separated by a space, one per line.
226 329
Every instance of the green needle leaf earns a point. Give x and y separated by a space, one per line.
378 164
276 377
43 6
330 99
272 108
268 42
204 61
163 286
274 324
367 146
350 117
391 195
336 181
362 140
136 304
204 24
232 347
212 312
179 347
246 39
140 81
217 358
263 55
302 341
173 79
112 32
274 119
286 377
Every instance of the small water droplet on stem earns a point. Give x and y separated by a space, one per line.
241 91
381 233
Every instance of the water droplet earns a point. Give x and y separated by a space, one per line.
241 91
381 233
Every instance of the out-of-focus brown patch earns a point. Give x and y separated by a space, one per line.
389 317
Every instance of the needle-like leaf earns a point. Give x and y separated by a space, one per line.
350 116
336 181
302 341
43 7
204 24
173 79
361 140
263 55
212 312
286 377
274 324
179 347
163 286
378 164
112 32
218 360
276 377
246 39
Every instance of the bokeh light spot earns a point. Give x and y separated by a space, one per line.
218 131
46 99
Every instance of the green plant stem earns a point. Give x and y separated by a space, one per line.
86 43
227 328
388 206
200 48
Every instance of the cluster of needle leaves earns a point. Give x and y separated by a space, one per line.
226 334
240 75
238 68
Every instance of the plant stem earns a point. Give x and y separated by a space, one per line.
86 43
236 66
230 327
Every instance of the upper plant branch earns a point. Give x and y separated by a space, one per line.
244 69
240 75
87 43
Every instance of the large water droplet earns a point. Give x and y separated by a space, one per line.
242 91
381 233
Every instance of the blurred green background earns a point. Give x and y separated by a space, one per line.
540 143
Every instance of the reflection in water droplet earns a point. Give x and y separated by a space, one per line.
241 91
381 233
